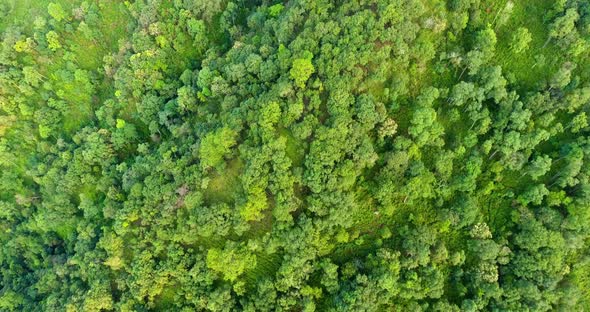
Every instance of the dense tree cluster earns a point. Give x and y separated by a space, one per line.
303 155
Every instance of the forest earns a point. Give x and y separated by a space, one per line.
295 155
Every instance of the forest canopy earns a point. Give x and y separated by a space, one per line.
300 155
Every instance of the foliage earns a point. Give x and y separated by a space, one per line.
294 155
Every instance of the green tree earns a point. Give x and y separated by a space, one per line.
539 167
520 40
534 194
563 76
215 146
564 25
301 70
579 122
231 261
56 11
53 40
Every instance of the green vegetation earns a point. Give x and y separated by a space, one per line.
358 155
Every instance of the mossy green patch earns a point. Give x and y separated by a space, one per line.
223 185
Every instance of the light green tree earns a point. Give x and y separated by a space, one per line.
301 70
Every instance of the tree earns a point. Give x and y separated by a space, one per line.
198 30
534 194
301 70
48 120
231 261
579 122
32 76
424 127
388 128
256 203
56 11
27 45
461 93
573 159
215 145
539 167
275 10
563 76
563 25
474 61
187 98
293 156
53 40
520 40
485 41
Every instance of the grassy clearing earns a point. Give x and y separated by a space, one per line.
90 52
115 18
87 51
266 267
525 67
24 11
224 185
295 149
